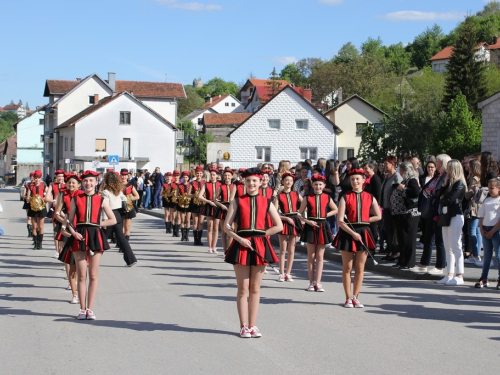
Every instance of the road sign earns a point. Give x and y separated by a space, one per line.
67 161
96 164
114 160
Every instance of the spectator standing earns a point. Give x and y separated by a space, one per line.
473 196
147 191
159 181
140 187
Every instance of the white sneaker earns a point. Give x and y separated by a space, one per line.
82 315
214 251
90 315
209 250
75 300
310 288
281 278
456 281
56 255
418 269
245 332
435 271
254 332
444 280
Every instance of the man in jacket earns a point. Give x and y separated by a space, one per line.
159 181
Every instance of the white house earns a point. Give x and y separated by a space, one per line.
18 109
226 103
197 116
441 59
350 116
70 99
30 137
118 125
490 140
287 127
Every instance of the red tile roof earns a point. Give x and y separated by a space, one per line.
1 109
11 107
213 119
263 82
264 92
139 88
215 100
446 52
495 45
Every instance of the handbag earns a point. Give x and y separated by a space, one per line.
444 220
123 208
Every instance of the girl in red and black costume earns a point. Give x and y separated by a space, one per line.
361 209
223 200
183 213
88 242
240 187
130 192
288 203
26 204
173 205
316 232
208 194
37 188
251 248
62 209
197 208
166 202
51 198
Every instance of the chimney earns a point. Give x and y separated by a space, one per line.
132 92
210 100
339 95
96 99
112 80
78 79
220 95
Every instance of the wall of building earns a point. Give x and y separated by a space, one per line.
213 153
285 143
29 141
167 108
491 131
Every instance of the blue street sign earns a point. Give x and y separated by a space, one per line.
114 160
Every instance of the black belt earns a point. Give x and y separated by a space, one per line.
251 233
291 214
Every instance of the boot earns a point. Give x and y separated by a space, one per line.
176 230
35 241
40 240
30 230
200 234
186 234
169 227
195 235
166 227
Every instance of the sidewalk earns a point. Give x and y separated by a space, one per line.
472 272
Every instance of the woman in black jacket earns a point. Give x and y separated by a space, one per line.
373 185
452 220
405 212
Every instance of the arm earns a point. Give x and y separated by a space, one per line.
375 211
233 193
457 192
135 196
333 208
278 225
70 219
412 189
58 207
109 213
49 197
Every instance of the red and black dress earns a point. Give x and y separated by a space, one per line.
211 189
26 204
165 202
252 211
225 194
127 190
40 190
357 209
66 255
56 188
268 193
289 207
241 189
183 190
88 223
317 205
193 207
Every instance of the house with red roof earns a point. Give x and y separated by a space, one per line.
441 59
18 108
8 158
225 103
133 120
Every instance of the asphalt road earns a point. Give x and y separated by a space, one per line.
175 313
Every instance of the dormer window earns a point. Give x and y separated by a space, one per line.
91 99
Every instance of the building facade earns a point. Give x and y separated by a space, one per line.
30 144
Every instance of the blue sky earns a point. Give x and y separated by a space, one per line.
178 40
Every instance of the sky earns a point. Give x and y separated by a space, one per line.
179 40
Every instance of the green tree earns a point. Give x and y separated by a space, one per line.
426 45
459 132
373 47
465 73
6 121
273 84
347 53
490 9
399 58
293 75
217 86
193 102
372 144
492 78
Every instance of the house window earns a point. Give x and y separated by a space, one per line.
100 145
301 124
263 153
65 143
91 99
233 104
200 120
41 121
42 138
350 153
124 118
126 148
274 124
308 153
227 104
72 145
378 127
359 129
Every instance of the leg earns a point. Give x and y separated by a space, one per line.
320 253
311 255
456 226
72 278
488 253
215 235
440 249
281 257
223 236
359 269
127 223
256 275
347 260
242 280
210 224
291 253
93 277
81 266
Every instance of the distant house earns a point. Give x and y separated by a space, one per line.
196 117
490 108
217 104
2 110
286 127
350 116
18 109
30 144
441 59
122 131
8 158
256 92
221 124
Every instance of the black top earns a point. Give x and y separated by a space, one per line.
453 198
489 176
374 187
345 185
412 191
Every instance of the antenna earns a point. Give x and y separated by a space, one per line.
166 76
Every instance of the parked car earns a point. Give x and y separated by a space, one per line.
2 183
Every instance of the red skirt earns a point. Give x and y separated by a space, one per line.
320 235
343 241
93 239
238 254
211 211
66 255
223 213
294 229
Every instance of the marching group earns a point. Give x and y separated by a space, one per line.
347 205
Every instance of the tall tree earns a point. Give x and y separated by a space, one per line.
293 75
347 53
217 86
426 45
373 47
465 73
273 84
193 102
6 121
